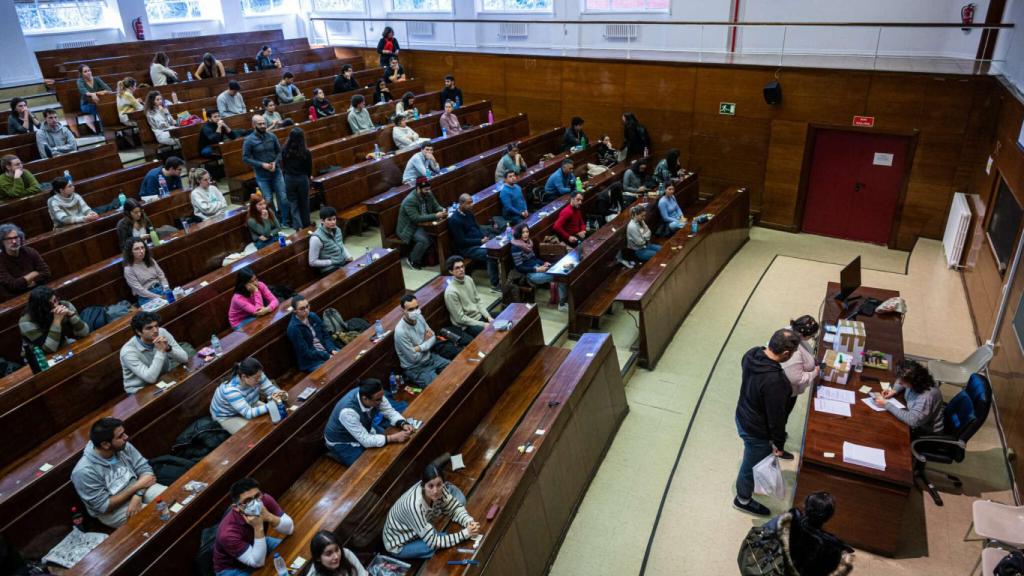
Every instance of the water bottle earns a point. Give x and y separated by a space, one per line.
579 184
153 237
274 411
490 117
279 565
508 232
369 255
163 186
282 409
76 518
416 113
121 198
444 132
661 188
376 150
645 151
161 507
693 226
169 296
215 344
189 76
378 329
245 67
67 176
281 239
583 142
392 384
185 225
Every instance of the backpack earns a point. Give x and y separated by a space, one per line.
762 554
95 317
199 439
281 292
658 225
202 564
1012 565
115 311
333 322
168 468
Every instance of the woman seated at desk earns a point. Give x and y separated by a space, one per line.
49 322
924 410
252 298
409 531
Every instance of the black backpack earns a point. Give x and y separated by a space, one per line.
202 564
168 468
199 439
762 554
1012 565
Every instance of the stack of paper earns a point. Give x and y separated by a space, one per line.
870 401
864 456
836 394
832 407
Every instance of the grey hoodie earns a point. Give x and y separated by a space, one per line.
60 140
97 479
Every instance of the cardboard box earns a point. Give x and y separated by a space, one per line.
837 367
851 338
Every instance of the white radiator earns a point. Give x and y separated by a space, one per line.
621 31
270 27
421 29
76 44
956 229
512 30
186 34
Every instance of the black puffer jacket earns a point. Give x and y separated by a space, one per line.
810 551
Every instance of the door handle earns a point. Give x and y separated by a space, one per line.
858 186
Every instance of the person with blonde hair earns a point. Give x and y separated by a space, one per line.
207 200
127 102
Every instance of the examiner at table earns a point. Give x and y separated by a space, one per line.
924 410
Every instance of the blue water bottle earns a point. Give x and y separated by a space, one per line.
378 329
444 132
693 227
281 240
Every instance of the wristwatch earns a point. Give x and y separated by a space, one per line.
141 493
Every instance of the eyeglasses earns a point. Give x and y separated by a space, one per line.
247 501
301 308
15 237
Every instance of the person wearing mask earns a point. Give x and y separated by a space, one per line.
331 559
607 155
320 106
327 251
574 135
66 207
761 412
251 299
134 223
468 239
463 301
802 369
407 106
49 322
89 90
171 173
214 131
451 92
160 72
242 546
297 168
237 401
230 101
358 116
152 353
210 67
16 182
312 344
634 181
403 136
21 267
265 59
671 214
207 200
144 276
21 120
263 225
286 90
382 94
272 116
409 531
924 408
160 120
394 72
262 151
127 102
512 161
513 203
112 478
449 121
421 165
54 138
668 168
387 47
536 270
346 82
413 341
810 549
570 227
419 206
635 139
560 183
638 235
360 420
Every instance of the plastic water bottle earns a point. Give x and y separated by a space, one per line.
444 132
163 186
508 232
490 117
282 409
161 507
154 238
579 184
661 188
453 208
189 76
416 113
121 198
279 565
40 358
76 518
281 239
583 142
376 150
67 176
185 225
169 296
245 67
378 329
392 384
215 344
645 152
693 226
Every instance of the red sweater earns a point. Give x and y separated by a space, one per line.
569 223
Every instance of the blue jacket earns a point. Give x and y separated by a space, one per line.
558 184
466 233
513 203
151 183
309 358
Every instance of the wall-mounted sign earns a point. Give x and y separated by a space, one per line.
882 159
864 121
727 108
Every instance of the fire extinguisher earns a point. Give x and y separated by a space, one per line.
967 16
140 34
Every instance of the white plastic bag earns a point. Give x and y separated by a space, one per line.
768 478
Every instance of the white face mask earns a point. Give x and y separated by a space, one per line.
253 508
415 315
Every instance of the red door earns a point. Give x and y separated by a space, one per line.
854 185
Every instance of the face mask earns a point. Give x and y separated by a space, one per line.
415 315
253 508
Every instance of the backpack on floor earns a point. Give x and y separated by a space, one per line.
762 554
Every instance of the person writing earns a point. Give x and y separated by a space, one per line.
345 82
421 165
419 206
634 181
54 138
263 225
152 353
570 226
66 206
143 275
409 531
242 545
210 67
331 559
16 182
512 161
89 90
21 267
413 341
536 270
21 120
924 407
387 47
449 121
207 200
49 322
638 235
360 420
312 344
463 302
237 401
359 120
134 223
513 203
251 299
407 106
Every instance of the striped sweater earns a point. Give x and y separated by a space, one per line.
410 518
232 399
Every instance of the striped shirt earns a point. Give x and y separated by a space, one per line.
232 399
410 518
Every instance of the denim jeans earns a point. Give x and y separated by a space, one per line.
647 252
415 549
206 151
420 245
676 225
347 453
754 450
479 254
271 544
543 278
422 375
155 289
272 187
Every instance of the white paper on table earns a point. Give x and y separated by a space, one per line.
837 394
832 407
457 463
870 401
864 456
830 337
896 403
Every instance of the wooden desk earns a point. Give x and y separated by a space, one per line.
870 504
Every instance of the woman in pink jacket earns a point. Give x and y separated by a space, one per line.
252 298
801 368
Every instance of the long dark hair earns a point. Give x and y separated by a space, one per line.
245 275
407 99
387 30
805 326
318 545
295 145
161 59
915 376
151 99
131 204
672 160
637 165
39 309
430 472
210 64
248 367
128 259
254 201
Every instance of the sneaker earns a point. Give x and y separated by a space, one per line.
786 455
624 263
563 307
752 507
411 265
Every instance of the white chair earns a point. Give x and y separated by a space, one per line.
959 374
990 558
999 522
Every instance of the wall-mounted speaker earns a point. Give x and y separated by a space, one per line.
773 93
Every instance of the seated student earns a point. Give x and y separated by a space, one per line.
413 341
638 235
160 72
160 120
331 559
210 67
671 214
574 135
409 531
320 106
207 200
66 207
143 275
360 420
126 101
262 222
407 106
403 136
561 182
272 116
214 131
811 549
152 353
251 299
468 238
16 182
230 101
449 121
512 161
265 59
570 226
513 203
112 478
668 168
923 399
327 250
49 322
21 120
359 120
418 206
21 267
394 72
134 223
421 165
53 138
463 301
451 92
89 90
286 90
345 82
312 344
635 180
171 173
607 154
382 94
535 269
237 401
241 546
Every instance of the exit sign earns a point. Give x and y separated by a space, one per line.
727 108
864 121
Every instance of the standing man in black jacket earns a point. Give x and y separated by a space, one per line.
761 412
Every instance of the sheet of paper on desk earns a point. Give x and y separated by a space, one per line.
457 463
837 394
865 389
870 402
864 456
832 407
830 337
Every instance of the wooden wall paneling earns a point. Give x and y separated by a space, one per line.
660 95
822 96
977 143
730 151
930 189
534 85
483 76
786 151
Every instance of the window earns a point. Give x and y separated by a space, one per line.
45 16
257 7
516 5
625 5
338 6
172 10
421 5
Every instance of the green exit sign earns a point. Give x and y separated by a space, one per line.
727 108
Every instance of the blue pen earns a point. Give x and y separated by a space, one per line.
463 562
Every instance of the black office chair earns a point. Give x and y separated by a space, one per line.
963 416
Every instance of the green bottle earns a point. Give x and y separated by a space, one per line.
40 358
579 184
153 237
583 142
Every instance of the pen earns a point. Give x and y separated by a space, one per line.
463 562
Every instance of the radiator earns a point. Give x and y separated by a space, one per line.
621 31
186 34
512 30
269 27
75 44
421 29
956 229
